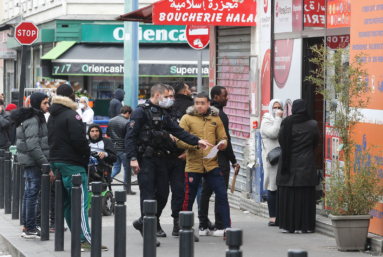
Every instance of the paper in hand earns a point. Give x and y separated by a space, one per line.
214 151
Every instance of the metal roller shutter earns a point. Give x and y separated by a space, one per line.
233 51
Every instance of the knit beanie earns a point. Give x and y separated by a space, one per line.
36 99
64 90
11 107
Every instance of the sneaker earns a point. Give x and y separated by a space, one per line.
298 232
38 228
204 232
86 247
218 232
52 229
285 231
23 232
32 234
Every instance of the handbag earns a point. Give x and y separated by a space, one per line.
273 155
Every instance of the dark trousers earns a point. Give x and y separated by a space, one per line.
51 207
32 177
206 193
272 203
215 180
153 181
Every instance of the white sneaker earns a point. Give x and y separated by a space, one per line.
285 231
204 232
218 232
298 232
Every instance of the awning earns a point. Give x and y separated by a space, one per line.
107 60
142 15
61 48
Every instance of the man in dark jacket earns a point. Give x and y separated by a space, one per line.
12 126
116 103
69 153
117 128
219 100
183 99
4 127
33 152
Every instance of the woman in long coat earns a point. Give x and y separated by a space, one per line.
297 172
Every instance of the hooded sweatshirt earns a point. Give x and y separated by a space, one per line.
102 144
116 103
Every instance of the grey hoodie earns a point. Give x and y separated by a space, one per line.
115 104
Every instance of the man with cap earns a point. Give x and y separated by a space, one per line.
33 152
69 153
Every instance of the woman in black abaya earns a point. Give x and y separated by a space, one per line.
297 173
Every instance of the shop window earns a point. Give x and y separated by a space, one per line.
287 16
314 14
338 13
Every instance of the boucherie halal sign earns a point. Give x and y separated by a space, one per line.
205 12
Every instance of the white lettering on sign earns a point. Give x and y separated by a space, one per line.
118 34
149 35
172 36
28 33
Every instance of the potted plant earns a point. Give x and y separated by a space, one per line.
353 187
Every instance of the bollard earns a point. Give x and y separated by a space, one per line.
76 216
150 228
128 186
45 195
96 228
59 212
22 191
234 241
297 253
7 183
120 224
186 234
16 189
2 178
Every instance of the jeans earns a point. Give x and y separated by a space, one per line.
32 177
121 158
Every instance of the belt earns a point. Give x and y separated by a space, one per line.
158 153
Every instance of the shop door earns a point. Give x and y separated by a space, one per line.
233 51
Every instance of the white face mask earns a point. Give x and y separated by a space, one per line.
81 106
164 102
170 103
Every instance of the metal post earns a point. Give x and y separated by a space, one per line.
59 212
297 253
199 79
96 219
16 189
119 224
186 234
7 183
76 216
22 191
128 186
150 228
2 177
24 50
234 241
45 196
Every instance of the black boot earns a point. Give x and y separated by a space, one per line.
160 232
137 224
176 227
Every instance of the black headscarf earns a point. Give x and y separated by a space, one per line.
299 114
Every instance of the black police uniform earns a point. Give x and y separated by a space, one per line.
146 140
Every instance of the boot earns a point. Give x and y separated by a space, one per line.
137 224
176 227
160 232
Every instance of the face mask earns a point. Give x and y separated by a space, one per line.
170 103
164 103
81 106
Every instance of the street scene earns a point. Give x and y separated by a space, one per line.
191 127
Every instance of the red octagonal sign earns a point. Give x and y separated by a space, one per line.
26 33
198 36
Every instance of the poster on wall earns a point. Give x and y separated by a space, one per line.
253 81
338 13
314 13
287 16
365 38
287 70
265 73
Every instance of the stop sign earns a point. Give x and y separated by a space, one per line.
26 33
198 36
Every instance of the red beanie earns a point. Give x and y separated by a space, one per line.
11 107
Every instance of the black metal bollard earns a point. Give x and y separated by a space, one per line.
96 219
22 191
7 183
76 216
128 186
16 189
234 241
45 195
186 234
59 212
150 228
2 178
297 253
119 224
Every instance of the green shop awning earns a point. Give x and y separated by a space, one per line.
61 48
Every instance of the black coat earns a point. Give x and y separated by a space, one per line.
182 102
303 171
116 103
66 134
117 128
107 145
4 130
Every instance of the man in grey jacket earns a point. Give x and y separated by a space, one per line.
33 152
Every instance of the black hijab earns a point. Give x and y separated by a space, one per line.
299 114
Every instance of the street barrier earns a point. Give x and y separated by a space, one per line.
150 228
234 241
186 234
297 253
96 228
16 189
120 224
45 195
2 178
8 183
59 212
76 216
22 190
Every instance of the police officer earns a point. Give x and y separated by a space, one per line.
149 131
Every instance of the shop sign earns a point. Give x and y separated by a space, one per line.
339 13
287 16
265 72
6 53
205 12
314 13
115 33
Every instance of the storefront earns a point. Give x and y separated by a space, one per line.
8 57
